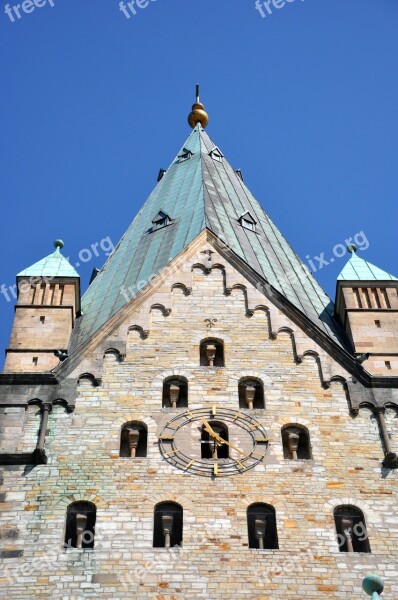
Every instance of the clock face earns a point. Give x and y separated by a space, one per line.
213 442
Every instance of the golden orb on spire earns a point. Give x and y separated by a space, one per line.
198 114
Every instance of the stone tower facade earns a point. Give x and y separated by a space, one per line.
367 305
209 428
45 314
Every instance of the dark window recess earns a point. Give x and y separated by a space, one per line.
239 174
261 524
161 220
209 448
167 525
248 221
175 392
134 440
212 353
185 155
80 525
351 530
251 393
296 442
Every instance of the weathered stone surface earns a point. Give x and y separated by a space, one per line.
214 561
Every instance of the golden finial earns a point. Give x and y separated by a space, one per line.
198 114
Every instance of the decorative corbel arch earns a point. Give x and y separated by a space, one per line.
34 402
64 403
115 352
95 381
313 354
165 311
187 291
205 270
243 289
265 309
144 333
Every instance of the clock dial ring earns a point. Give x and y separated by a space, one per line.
253 432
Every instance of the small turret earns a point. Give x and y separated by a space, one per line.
367 306
45 313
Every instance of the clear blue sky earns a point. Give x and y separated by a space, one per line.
304 101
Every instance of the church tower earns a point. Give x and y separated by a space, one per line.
367 305
206 425
45 313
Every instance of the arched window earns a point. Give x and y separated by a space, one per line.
80 525
175 392
211 353
251 393
261 525
351 530
167 525
209 447
133 440
296 442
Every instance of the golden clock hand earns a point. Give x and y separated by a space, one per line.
211 431
235 448
208 426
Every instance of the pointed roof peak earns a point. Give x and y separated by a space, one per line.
53 265
359 269
201 191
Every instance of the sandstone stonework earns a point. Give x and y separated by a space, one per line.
158 335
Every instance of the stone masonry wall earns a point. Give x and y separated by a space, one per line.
215 561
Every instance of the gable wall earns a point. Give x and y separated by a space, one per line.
215 561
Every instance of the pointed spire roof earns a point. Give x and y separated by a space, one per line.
53 265
358 269
201 190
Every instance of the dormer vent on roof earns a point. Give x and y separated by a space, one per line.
185 155
216 154
247 221
161 220
162 173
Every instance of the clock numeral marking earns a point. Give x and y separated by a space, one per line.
166 438
190 464
215 469
173 427
257 455
214 411
239 414
240 464
172 452
262 440
256 426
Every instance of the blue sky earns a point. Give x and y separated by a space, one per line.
304 101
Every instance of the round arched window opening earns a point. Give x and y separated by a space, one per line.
251 393
133 440
212 353
296 442
175 392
